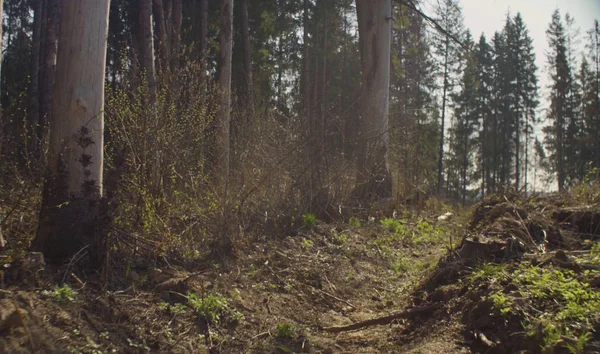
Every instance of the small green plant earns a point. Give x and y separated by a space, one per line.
579 346
306 243
309 220
392 225
176 309
213 308
340 239
284 331
501 303
141 346
354 222
487 272
62 293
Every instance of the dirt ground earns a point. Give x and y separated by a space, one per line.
419 284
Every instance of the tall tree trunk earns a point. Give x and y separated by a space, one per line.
33 108
443 120
223 117
374 179
306 60
176 39
203 43
50 33
146 43
247 54
163 49
73 182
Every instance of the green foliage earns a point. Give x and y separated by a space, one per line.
306 243
176 309
579 346
501 302
284 330
62 293
309 220
393 225
486 273
213 308
354 222
570 305
340 238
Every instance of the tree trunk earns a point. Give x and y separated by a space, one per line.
443 121
33 108
247 54
306 61
73 185
48 62
176 39
203 43
223 116
146 42
374 179
159 12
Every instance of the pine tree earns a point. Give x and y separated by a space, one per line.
561 112
484 82
447 52
466 121
522 85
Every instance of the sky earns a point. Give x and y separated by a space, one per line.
488 16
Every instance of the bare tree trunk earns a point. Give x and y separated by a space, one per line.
73 183
48 62
247 53
223 116
33 108
146 42
176 39
203 43
374 179
443 122
159 13
306 61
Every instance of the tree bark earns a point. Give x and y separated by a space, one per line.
374 180
73 185
48 62
159 12
146 42
33 108
176 39
247 54
223 115
203 43
443 120
306 60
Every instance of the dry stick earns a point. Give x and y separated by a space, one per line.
380 320
335 297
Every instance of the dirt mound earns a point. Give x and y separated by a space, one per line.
525 277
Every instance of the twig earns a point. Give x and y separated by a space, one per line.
380 320
72 262
335 297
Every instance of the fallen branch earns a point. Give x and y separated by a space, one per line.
380 320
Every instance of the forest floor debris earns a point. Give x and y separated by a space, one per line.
513 275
